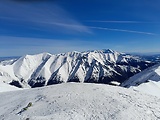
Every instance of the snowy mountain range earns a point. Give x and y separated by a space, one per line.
97 66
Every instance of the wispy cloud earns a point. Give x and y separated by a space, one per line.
117 21
43 15
122 30
114 21
33 0
77 27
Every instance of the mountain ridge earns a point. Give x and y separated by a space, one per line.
96 66
147 81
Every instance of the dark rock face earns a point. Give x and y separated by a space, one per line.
39 82
16 83
52 82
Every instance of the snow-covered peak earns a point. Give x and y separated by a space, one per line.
72 54
40 55
26 65
105 55
101 51
108 51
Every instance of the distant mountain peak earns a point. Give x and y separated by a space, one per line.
108 51
102 51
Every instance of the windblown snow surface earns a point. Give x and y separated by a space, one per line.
147 81
79 101
6 87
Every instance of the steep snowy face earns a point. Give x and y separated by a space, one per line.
21 70
71 101
98 66
147 81
29 64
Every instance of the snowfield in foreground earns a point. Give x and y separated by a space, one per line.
4 87
78 101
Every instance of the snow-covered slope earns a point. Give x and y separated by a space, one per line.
4 87
7 62
78 101
98 66
147 81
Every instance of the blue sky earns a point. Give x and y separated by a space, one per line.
55 26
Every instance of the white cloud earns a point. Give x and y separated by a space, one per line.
122 30
115 21
120 21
